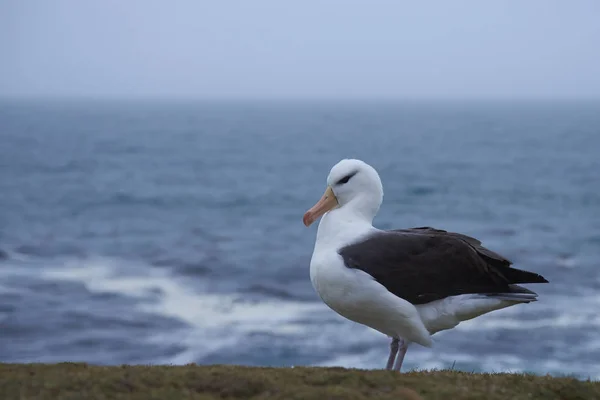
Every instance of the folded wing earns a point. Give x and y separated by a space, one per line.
425 264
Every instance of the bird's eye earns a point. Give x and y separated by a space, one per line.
345 179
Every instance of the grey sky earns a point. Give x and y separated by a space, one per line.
300 49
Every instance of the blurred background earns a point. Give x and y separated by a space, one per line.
156 159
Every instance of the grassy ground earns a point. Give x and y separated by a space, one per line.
82 381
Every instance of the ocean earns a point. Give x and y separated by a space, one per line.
170 232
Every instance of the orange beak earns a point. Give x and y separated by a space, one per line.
327 202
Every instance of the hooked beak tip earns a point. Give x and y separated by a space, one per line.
307 219
327 202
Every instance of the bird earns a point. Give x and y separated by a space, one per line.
405 283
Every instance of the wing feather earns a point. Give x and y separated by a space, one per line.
426 264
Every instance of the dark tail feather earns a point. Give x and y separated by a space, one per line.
515 275
521 290
516 293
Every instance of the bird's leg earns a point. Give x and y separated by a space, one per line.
401 353
393 351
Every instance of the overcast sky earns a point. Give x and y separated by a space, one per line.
300 49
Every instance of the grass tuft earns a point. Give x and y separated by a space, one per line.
83 381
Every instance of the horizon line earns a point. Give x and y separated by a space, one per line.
292 99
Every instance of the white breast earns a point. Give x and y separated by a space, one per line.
353 293
356 296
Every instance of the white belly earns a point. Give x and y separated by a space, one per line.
357 296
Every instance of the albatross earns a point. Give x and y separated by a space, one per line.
405 283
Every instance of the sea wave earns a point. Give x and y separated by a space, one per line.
197 324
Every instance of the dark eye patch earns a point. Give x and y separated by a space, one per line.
345 179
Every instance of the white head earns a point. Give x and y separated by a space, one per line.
353 185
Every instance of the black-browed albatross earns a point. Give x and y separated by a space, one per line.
405 283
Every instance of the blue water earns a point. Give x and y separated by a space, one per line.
171 232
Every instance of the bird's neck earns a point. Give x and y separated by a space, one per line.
342 225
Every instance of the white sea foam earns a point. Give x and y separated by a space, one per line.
221 321
215 320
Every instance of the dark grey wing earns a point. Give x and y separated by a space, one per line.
490 255
425 264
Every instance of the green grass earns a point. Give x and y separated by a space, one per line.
83 381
